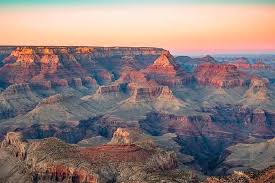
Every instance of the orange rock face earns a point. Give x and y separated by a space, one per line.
220 75
165 71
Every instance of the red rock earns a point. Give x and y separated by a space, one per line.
220 75
165 71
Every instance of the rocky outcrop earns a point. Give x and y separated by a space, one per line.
53 160
17 99
43 65
126 136
220 75
129 76
165 71
151 93
111 89
18 144
257 92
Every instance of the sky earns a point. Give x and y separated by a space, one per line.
181 26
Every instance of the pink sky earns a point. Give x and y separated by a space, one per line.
181 29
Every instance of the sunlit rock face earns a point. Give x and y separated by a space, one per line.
165 71
46 66
220 75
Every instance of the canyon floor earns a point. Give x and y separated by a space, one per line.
134 115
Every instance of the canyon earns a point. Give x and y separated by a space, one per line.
122 114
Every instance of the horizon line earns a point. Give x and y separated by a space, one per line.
175 53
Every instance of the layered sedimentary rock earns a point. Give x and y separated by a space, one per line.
83 95
53 160
245 157
158 96
258 91
202 134
45 65
17 99
165 71
220 75
110 89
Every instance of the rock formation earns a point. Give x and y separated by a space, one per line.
53 160
165 71
220 75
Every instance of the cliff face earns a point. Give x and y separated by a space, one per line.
17 99
53 160
48 67
165 71
205 137
220 75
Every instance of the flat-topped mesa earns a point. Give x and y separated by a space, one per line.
111 89
220 75
126 51
151 93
